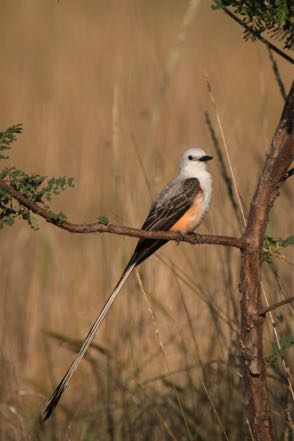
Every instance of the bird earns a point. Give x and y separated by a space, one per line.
180 207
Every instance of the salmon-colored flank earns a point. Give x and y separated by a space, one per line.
189 221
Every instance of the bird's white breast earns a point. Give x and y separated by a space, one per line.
205 180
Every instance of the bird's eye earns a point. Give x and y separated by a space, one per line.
190 157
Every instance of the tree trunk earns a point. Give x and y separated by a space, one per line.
275 167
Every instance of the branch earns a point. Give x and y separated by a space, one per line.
264 311
275 169
258 36
277 162
99 227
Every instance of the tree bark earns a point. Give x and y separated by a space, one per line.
275 167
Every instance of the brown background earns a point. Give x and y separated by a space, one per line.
111 92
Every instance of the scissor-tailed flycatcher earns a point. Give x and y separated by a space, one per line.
180 207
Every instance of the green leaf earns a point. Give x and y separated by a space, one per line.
285 343
272 246
287 242
59 217
10 221
217 4
103 220
33 222
7 137
70 182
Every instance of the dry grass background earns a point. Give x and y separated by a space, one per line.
111 92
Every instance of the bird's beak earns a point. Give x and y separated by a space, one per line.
206 158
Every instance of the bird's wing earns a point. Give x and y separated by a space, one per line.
170 206
166 211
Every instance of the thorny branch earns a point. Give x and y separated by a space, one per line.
99 227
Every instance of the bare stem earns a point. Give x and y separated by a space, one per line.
269 308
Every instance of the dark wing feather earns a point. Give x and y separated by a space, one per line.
163 216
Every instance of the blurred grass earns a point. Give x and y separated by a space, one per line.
86 79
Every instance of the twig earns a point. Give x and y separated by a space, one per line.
264 311
258 36
277 75
98 227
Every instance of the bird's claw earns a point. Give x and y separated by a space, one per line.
180 237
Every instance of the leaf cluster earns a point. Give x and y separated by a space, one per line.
103 220
279 352
36 188
272 246
7 137
275 17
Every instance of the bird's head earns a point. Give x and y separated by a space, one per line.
194 160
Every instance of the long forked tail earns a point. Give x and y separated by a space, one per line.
55 397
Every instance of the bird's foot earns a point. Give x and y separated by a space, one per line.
196 238
180 237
